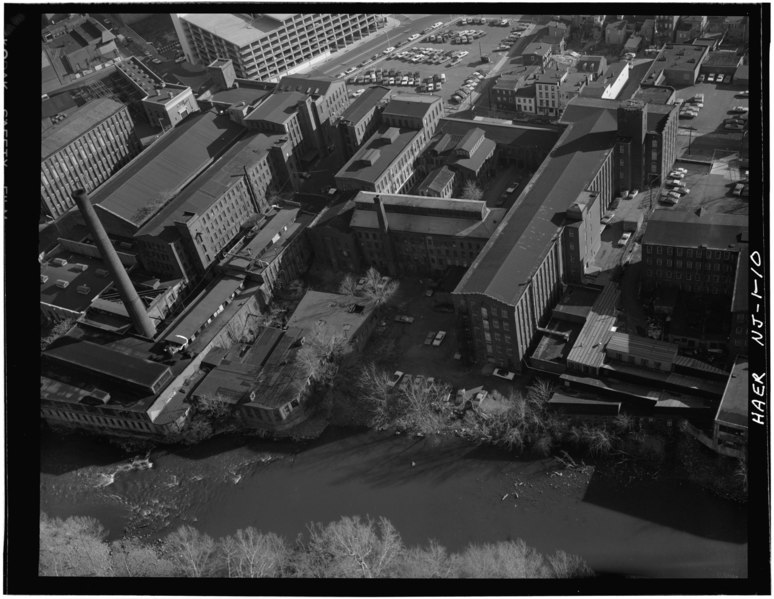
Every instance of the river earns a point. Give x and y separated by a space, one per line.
428 488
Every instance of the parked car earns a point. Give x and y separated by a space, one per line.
396 376
733 126
504 374
744 94
682 190
677 174
680 169
719 78
439 337
180 59
429 293
607 218
711 78
388 50
701 79
633 193
350 70
404 319
430 337
624 239
739 109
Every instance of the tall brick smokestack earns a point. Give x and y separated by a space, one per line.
134 306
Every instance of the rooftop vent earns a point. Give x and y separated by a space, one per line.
81 267
62 283
43 278
83 289
59 261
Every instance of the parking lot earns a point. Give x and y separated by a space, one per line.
422 59
712 186
706 133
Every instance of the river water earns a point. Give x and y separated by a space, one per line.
428 488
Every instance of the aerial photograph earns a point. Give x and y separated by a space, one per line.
377 295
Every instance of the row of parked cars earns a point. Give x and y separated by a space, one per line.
468 87
690 109
395 77
675 187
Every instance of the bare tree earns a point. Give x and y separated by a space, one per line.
351 548
348 285
73 547
507 559
129 557
252 554
191 551
471 191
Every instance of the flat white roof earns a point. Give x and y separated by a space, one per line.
235 29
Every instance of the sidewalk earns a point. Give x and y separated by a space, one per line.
391 24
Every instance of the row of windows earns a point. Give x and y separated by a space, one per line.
690 265
688 276
690 252
96 420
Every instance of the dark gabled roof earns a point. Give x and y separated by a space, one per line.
107 361
277 108
410 105
80 121
642 347
359 169
144 185
437 179
507 262
210 186
363 105
683 228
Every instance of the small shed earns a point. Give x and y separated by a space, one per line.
641 351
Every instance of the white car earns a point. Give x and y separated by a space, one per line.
624 239
357 93
677 175
388 50
680 170
607 218
682 190
719 78
413 37
633 193
739 109
504 374
350 70
711 78
397 375
440 336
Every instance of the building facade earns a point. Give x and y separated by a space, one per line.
84 150
359 121
267 46
696 254
386 163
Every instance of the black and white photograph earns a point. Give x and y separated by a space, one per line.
330 295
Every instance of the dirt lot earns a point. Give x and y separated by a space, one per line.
483 46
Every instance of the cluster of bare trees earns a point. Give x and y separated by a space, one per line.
376 289
351 547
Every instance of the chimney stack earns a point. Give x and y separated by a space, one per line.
134 306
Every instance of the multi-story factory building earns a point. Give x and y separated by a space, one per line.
84 150
267 46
